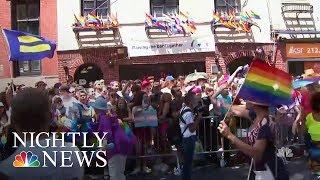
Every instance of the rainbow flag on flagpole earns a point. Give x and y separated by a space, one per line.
266 85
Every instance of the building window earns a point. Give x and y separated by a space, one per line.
226 6
25 16
96 7
160 7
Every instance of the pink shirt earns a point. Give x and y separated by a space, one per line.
305 102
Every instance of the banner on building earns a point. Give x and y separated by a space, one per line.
138 44
303 50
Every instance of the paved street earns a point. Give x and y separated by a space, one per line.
298 171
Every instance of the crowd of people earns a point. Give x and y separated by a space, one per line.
165 116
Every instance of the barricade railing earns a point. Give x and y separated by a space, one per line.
210 139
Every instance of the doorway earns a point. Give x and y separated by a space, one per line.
87 73
242 61
296 68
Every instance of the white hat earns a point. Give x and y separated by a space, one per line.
1 104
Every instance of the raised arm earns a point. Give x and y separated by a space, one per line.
230 80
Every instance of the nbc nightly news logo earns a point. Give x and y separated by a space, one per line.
44 140
26 159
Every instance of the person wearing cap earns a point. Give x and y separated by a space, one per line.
168 84
261 137
108 122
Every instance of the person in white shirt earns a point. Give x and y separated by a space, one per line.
188 125
31 113
68 100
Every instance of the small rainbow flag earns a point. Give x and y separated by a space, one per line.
267 85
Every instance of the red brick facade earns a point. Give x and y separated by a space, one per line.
48 29
225 54
229 52
5 22
102 56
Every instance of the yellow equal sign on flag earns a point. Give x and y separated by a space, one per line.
28 39
34 48
27 47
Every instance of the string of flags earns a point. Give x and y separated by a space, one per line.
172 24
92 21
242 21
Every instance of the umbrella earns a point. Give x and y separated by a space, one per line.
196 76
301 83
313 79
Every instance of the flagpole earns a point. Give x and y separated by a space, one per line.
237 94
10 62
222 138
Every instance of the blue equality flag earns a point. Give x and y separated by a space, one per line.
27 47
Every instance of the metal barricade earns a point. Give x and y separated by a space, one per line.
211 142
208 138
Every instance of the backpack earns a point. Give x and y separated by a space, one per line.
174 133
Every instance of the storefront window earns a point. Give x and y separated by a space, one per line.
160 7
96 7
26 15
226 6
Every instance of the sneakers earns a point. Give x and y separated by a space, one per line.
177 171
136 170
174 148
145 169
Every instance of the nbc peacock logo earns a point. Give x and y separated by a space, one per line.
26 159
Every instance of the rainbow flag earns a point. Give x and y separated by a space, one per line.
267 85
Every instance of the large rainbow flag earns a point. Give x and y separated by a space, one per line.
266 85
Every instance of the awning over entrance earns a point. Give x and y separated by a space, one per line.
139 44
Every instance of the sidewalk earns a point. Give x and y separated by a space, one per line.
298 171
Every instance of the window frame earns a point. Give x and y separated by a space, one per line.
227 6
95 6
15 24
165 6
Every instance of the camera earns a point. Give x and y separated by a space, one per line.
200 109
